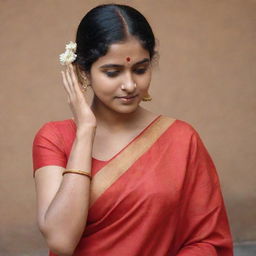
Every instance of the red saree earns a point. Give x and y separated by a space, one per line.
167 202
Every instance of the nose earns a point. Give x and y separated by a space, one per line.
128 85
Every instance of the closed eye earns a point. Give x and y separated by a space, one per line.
115 73
140 71
112 73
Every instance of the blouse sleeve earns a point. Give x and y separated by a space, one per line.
48 148
203 220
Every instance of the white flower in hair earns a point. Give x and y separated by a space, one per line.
71 46
69 55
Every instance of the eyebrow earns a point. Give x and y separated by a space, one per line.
146 60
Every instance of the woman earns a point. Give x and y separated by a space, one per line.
118 179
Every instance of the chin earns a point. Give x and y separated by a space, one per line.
126 109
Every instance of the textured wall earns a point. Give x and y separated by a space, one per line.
206 76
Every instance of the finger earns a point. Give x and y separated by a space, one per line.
74 78
67 89
73 74
69 80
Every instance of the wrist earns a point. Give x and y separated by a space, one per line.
85 131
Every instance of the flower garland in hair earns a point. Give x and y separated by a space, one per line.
69 55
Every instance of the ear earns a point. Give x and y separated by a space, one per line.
86 76
80 74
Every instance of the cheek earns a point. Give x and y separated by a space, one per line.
144 81
101 84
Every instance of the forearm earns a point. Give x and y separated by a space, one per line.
65 219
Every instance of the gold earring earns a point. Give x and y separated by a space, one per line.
84 87
147 97
84 83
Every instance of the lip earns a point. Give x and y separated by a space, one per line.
127 98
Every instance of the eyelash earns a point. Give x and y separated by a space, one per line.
139 71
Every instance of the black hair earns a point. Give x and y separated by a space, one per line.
107 24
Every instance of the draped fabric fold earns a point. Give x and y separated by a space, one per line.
159 196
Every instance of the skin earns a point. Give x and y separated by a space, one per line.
117 121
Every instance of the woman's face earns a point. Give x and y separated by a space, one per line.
125 71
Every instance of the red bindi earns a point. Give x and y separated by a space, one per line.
128 59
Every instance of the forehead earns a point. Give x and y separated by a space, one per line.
119 52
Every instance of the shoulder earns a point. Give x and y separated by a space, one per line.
57 125
183 134
180 127
56 128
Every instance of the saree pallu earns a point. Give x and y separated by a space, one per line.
162 198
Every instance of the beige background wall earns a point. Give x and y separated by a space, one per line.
206 76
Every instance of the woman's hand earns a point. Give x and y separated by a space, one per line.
83 114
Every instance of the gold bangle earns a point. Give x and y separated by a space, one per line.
78 172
